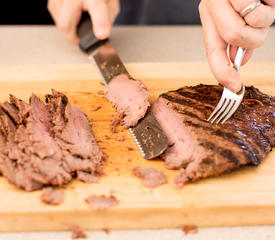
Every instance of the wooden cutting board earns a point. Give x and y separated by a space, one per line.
243 197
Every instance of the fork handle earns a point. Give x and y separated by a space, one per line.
239 58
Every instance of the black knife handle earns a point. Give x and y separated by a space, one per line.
88 40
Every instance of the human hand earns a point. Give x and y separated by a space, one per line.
67 14
223 25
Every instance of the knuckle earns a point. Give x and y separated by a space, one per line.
233 37
255 20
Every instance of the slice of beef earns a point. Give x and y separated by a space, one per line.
13 161
41 147
34 139
201 149
73 135
77 232
52 197
33 157
22 107
101 202
46 156
11 110
150 177
114 123
189 229
129 97
87 177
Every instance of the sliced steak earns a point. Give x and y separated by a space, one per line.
73 135
22 107
150 177
189 229
12 111
35 157
14 162
52 197
101 202
129 97
87 177
77 232
46 156
46 145
201 149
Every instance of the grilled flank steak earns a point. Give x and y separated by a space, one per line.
201 149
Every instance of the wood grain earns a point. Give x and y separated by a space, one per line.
243 197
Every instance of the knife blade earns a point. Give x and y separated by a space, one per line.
148 134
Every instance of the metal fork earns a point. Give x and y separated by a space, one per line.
229 101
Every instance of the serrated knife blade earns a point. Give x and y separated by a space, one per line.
148 134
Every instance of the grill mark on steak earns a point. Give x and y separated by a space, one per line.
246 138
264 147
229 155
255 137
195 106
197 96
237 141
223 152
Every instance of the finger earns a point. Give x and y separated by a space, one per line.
232 28
99 12
114 8
262 16
233 51
216 52
54 7
269 2
68 19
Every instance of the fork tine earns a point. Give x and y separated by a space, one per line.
232 111
226 111
219 105
226 102
229 101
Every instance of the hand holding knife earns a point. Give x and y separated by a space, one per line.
147 134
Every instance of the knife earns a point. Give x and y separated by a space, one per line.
148 134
